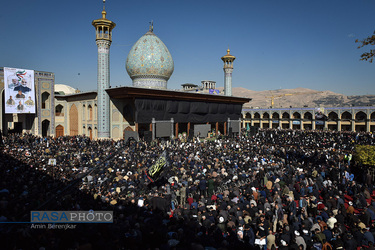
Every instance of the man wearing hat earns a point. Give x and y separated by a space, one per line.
307 238
283 245
350 209
221 225
299 239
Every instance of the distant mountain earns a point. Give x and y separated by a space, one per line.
300 97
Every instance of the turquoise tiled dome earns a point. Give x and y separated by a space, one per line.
149 63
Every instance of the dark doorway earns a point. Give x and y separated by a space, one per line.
45 128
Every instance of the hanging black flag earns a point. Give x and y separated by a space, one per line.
155 170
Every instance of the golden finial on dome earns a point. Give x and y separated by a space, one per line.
104 13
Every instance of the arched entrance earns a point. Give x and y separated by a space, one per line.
296 123
59 131
59 110
89 112
73 120
360 119
45 100
90 133
128 128
346 119
45 128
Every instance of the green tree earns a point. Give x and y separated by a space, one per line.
365 154
367 56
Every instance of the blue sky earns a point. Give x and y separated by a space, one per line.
278 43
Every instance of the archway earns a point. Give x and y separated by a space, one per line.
346 116
59 131
360 119
128 128
360 116
332 116
73 120
90 133
296 115
89 112
275 120
45 100
308 116
45 128
285 115
59 110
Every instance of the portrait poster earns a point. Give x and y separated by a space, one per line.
319 114
19 89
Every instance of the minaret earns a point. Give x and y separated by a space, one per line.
228 69
103 28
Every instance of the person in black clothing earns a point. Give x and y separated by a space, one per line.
307 237
338 243
350 243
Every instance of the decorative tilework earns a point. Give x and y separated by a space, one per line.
45 85
149 59
103 83
45 113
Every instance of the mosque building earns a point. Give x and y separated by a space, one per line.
146 109
31 102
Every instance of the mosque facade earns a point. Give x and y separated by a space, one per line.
355 118
111 112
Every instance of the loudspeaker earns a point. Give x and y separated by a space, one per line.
148 136
230 134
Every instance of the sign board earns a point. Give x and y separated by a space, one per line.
296 122
19 88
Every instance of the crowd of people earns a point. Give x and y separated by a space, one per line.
277 189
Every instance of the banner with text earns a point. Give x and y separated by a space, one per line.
155 170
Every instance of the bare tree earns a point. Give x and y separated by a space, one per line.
367 56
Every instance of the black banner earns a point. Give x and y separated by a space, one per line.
157 168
